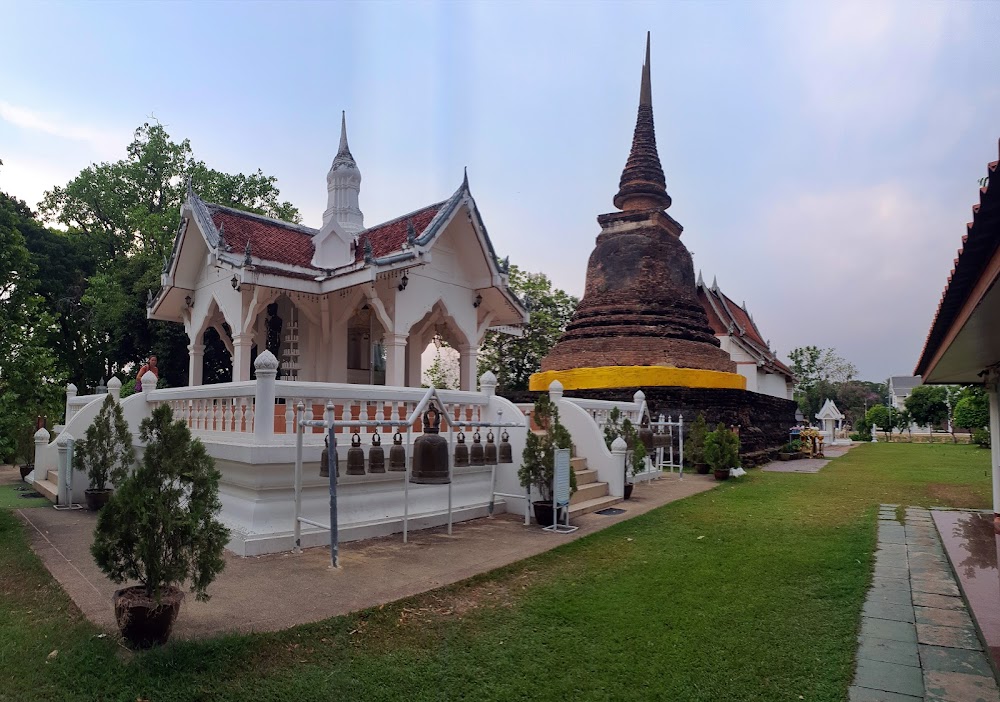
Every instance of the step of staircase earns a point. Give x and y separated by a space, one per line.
52 476
578 463
589 491
592 506
47 489
584 477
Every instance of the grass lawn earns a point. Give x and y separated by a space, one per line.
752 591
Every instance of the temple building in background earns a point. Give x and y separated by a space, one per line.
342 303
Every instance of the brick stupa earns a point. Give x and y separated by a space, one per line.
640 322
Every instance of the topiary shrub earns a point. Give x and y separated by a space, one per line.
105 453
694 448
160 526
722 448
538 461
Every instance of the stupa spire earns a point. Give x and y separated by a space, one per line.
343 185
642 185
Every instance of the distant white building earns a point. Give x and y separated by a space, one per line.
900 387
742 340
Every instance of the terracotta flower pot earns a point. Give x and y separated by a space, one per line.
142 620
722 474
702 468
628 490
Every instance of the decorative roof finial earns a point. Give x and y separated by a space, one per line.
149 298
411 233
369 252
247 259
701 281
343 159
190 187
465 177
642 185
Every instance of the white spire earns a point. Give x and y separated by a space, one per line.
343 185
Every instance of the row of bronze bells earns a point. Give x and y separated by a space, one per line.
430 453
483 455
376 456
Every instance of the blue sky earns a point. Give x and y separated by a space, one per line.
822 157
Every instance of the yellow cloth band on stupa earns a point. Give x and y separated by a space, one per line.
636 376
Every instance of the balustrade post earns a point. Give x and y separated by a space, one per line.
42 437
266 366
115 388
616 485
70 394
488 384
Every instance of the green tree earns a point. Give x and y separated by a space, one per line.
928 405
818 372
514 359
885 418
128 212
443 372
30 383
972 411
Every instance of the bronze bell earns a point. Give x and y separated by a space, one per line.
356 457
324 459
397 454
504 452
430 452
491 449
477 456
646 436
461 451
376 455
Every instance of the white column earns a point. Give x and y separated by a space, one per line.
468 367
266 366
241 357
414 370
991 391
395 359
64 495
196 363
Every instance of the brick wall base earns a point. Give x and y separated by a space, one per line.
763 420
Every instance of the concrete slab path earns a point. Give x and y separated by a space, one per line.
269 593
808 465
917 640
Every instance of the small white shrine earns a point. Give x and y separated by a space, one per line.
342 303
831 419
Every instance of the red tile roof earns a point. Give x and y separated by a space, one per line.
736 319
290 244
270 240
978 246
390 236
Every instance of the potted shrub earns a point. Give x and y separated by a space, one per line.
791 450
695 444
538 461
105 453
722 451
160 528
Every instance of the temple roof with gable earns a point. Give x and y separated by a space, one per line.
727 318
285 250
829 410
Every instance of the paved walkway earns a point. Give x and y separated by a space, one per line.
269 593
917 640
808 465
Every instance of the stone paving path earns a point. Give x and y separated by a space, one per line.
917 640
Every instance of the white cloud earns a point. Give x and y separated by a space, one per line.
102 141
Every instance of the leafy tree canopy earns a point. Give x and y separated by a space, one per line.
928 404
514 359
121 219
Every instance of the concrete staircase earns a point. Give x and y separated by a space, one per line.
48 487
590 495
